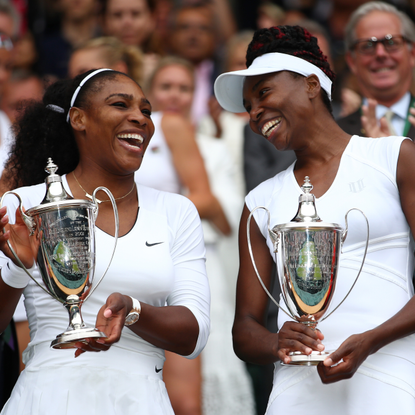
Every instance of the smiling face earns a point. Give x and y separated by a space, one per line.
114 127
172 89
277 104
384 76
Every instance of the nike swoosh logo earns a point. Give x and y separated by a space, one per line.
158 370
156 243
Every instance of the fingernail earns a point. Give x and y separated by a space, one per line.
320 347
328 362
308 350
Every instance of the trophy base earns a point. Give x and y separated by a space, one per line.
313 359
68 339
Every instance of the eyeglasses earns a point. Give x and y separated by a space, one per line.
391 43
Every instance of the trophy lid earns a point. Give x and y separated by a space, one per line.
56 196
306 216
307 211
55 191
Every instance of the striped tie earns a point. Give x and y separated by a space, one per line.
388 116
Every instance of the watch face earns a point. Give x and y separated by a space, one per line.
131 318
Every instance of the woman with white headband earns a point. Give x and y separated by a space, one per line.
370 367
96 128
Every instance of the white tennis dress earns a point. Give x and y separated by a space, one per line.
385 382
161 260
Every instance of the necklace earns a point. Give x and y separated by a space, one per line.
101 201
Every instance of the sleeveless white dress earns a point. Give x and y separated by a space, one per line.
128 378
385 382
157 169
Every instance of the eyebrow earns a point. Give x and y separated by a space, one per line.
127 96
256 86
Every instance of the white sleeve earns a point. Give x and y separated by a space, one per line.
191 287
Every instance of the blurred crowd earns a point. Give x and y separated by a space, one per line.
175 49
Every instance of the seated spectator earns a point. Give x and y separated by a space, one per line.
107 52
78 22
194 38
133 22
22 86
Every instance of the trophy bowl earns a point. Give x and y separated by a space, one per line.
307 252
307 265
64 230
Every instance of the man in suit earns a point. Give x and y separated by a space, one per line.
381 54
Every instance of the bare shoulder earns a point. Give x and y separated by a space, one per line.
406 162
406 154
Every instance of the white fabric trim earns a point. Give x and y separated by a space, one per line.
15 276
75 94
228 86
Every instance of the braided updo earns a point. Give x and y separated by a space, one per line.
292 40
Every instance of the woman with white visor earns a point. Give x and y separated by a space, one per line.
370 367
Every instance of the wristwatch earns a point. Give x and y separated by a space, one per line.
133 316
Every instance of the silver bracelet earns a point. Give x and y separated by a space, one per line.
15 276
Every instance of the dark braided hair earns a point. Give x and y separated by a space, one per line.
292 40
41 132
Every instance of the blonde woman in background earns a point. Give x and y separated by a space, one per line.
226 387
229 128
107 52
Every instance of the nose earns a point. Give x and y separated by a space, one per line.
255 113
254 117
137 117
380 49
127 19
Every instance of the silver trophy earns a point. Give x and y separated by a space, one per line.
307 253
63 229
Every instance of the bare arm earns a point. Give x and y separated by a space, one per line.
9 297
190 168
358 347
154 325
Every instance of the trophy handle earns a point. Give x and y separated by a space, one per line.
31 226
117 225
343 238
275 239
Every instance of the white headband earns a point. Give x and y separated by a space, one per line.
75 94
229 86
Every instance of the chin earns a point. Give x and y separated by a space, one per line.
280 146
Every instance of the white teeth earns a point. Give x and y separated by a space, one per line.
131 137
269 127
383 70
